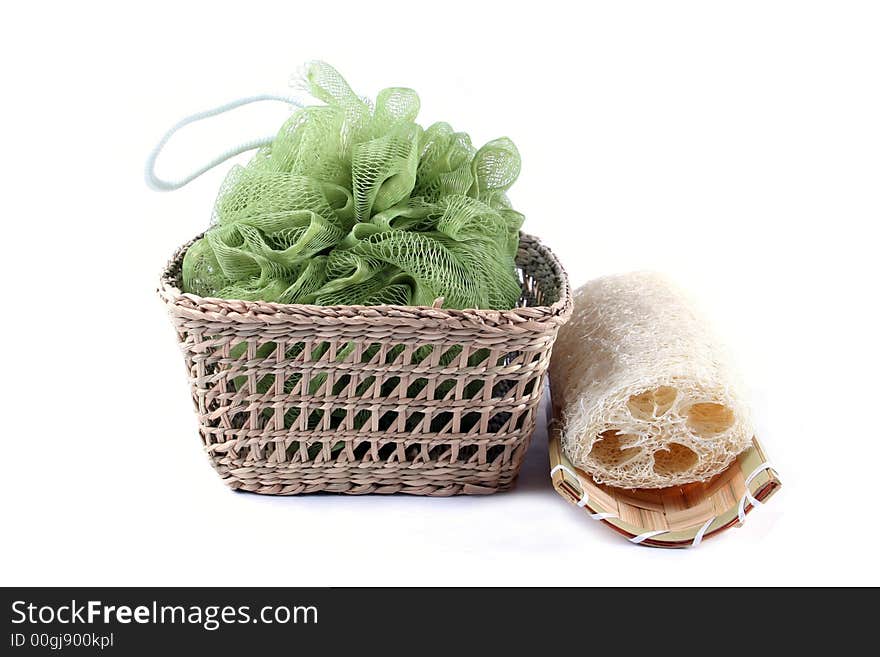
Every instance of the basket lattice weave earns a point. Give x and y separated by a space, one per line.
378 399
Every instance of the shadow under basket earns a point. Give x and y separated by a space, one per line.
296 398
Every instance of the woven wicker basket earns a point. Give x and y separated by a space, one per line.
382 399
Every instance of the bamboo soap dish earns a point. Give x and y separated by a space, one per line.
676 517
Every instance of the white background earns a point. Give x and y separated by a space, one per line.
735 146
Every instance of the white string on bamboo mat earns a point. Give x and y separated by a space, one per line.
741 512
564 468
699 537
644 537
585 498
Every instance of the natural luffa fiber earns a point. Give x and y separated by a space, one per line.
647 397
382 399
354 203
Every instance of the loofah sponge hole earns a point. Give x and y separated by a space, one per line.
709 419
609 450
674 459
652 404
613 449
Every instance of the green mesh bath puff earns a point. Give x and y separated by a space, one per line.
355 204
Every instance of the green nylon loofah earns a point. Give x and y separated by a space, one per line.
358 205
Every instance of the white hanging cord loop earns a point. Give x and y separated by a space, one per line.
167 185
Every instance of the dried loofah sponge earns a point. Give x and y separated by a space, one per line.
647 397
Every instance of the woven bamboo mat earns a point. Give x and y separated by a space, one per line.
677 517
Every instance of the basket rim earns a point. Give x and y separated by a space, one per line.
526 318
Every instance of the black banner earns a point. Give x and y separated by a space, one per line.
240 621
